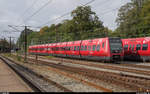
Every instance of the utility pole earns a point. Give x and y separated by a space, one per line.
25 44
10 45
25 39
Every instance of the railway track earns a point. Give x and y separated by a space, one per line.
136 66
124 80
37 82
109 66
98 87
128 81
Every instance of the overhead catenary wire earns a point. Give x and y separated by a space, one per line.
65 14
103 3
69 13
34 2
38 10
109 11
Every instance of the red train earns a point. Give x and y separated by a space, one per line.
101 49
137 49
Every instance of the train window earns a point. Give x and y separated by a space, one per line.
82 47
98 48
78 48
125 47
62 48
94 46
138 47
74 48
89 48
133 47
85 48
103 45
55 48
145 46
130 46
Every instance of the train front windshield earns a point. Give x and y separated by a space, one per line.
115 45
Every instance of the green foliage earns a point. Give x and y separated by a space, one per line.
133 19
84 24
19 58
4 45
21 40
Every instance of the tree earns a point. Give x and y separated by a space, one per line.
84 24
129 19
85 19
4 45
44 29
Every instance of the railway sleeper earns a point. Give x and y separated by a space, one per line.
86 73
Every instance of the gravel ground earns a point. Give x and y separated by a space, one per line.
69 83
72 84
102 83
56 62
75 85
94 68
39 82
113 87
146 64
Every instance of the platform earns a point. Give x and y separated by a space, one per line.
10 81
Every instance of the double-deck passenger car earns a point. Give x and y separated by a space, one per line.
137 49
101 49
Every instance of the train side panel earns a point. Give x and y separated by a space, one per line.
137 49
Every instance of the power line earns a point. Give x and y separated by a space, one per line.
13 27
38 10
35 1
88 2
65 14
103 2
30 7
109 11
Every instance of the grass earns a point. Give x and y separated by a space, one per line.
49 56
16 57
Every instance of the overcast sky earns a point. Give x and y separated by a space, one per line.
14 12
